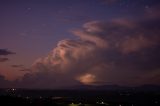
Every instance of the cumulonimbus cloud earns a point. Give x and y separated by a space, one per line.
119 51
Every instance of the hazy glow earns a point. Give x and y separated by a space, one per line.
87 79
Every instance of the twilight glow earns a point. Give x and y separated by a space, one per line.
63 43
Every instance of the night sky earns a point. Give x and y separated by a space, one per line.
61 43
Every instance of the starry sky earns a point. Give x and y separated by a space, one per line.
69 42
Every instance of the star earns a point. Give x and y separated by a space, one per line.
29 8
147 7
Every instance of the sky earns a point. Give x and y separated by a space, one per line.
60 43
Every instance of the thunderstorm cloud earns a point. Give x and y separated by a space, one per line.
120 52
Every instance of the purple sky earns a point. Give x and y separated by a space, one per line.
69 42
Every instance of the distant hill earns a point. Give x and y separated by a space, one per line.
149 87
116 87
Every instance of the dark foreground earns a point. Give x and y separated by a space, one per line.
16 97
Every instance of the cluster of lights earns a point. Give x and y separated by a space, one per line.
102 103
74 104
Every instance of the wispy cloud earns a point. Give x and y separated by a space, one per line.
17 66
3 59
4 52
25 70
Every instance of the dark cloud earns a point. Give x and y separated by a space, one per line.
25 70
21 68
4 52
17 66
127 36
3 59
